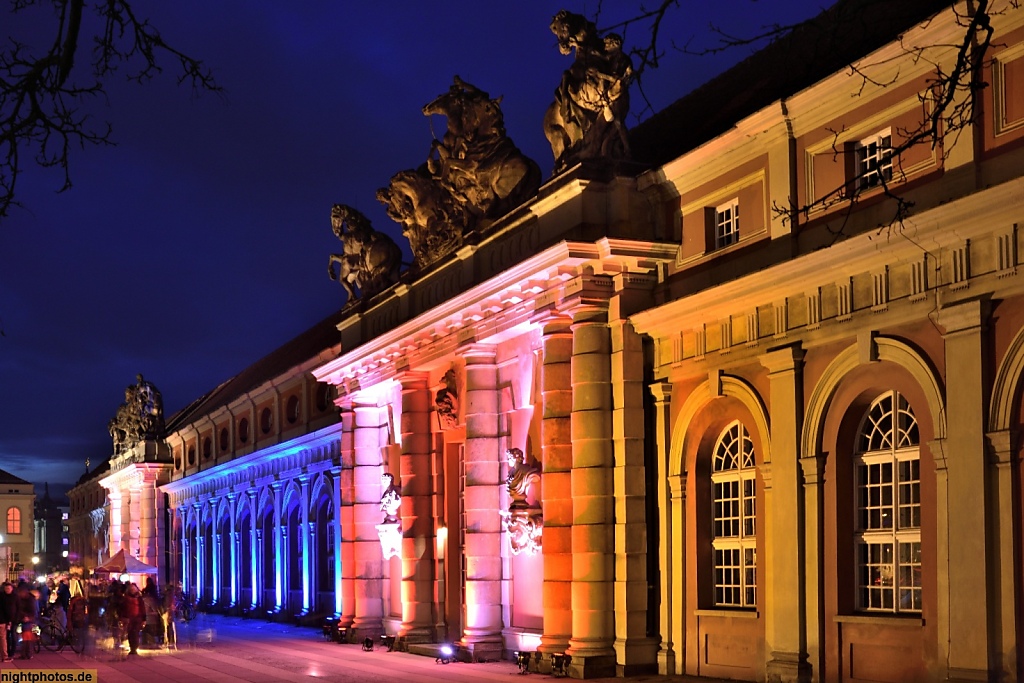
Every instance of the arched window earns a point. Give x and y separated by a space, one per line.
887 534
734 519
13 520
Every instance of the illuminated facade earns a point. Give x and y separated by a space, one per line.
17 503
651 422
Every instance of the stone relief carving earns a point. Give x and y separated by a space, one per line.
472 175
390 530
370 261
587 118
140 417
523 520
446 402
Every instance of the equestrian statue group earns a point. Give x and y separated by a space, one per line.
475 174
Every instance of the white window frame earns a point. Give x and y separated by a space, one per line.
873 160
887 509
734 581
727 223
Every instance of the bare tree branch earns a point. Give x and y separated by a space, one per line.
41 115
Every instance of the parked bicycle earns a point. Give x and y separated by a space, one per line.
184 606
55 638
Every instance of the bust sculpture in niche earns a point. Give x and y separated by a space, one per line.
523 520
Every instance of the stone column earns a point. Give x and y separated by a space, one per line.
257 552
593 518
1003 450
417 511
278 542
307 552
635 651
482 552
131 528
341 520
343 496
684 584
813 470
186 547
671 615
556 457
783 593
149 542
233 566
971 598
215 551
114 496
367 620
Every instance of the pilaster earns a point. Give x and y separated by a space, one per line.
417 513
557 505
593 529
635 652
813 471
972 601
1005 463
482 552
366 472
671 612
784 591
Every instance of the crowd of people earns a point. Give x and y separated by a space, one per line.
84 611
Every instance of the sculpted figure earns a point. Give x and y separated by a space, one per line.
521 479
587 118
475 160
474 173
446 402
370 260
391 499
140 417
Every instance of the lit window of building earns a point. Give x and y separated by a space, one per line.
734 519
888 514
727 224
13 520
873 160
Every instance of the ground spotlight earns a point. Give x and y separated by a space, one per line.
445 653
560 664
367 644
523 661
387 642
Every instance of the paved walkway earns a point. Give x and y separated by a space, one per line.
231 650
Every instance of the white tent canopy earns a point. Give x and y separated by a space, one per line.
125 564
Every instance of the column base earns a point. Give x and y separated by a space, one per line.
788 667
482 651
592 666
667 662
636 656
417 635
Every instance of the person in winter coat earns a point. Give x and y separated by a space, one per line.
26 616
6 617
133 615
78 612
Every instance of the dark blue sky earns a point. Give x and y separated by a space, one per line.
199 243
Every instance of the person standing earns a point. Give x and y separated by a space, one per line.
78 613
26 616
6 617
134 616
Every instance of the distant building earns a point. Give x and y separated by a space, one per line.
89 520
17 526
51 533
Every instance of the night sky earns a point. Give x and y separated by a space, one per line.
199 243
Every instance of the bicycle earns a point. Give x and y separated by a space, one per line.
55 639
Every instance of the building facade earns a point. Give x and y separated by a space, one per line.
750 409
17 504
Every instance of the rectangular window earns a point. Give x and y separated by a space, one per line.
727 224
873 160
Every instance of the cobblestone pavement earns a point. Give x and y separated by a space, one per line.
232 650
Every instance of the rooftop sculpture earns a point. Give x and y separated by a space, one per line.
587 118
370 260
139 418
472 175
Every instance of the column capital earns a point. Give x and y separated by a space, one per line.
1002 446
785 359
964 316
410 377
476 354
662 392
552 322
813 468
677 486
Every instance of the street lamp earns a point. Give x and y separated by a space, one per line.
35 560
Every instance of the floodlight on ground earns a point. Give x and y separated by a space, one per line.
367 644
523 661
445 653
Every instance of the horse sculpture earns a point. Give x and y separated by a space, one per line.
475 160
587 118
474 173
370 260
